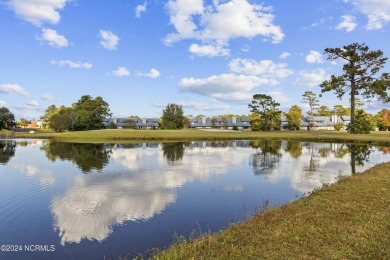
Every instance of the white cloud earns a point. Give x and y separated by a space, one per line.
38 11
108 40
238 18
224 87
54 39
72 64
47 97
121 72
32 105
181 12
265 68
140 9
46 178
284 55
3 103
315 24
278 96
97 202
314 57
153 73
208 50
220 22
311 79
13 89
348 24
377 12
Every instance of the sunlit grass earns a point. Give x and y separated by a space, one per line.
347 220
194 134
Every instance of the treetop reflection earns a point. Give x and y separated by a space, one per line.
7 150
90 157
87 157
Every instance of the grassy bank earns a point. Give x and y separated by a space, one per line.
116 135
347 220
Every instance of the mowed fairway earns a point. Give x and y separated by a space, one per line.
116 135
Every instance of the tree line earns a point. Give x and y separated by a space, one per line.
359 77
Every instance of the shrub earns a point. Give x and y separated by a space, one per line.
338 126
7 133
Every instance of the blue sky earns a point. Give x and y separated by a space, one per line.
208 56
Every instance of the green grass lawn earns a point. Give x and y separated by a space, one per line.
194 134
347 220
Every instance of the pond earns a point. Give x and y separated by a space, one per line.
72 200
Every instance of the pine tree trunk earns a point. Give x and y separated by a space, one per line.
353 105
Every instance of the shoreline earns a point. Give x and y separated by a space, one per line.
348 219
130 135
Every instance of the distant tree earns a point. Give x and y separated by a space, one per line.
213 122
132 116
266 109
112 125
186 122
129 123
275 121
363 123
62 120
255 122
358 78
7 118
358 103
383 119
324 111
200 116
50 111
23 122
294 116
341 111
224 122
311 99
89 113
173 117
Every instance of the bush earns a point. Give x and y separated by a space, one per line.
235 128
338 126
362 124
112 125
256 128
7 133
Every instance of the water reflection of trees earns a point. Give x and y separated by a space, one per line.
314 161
266 157
173 151
359 155
7 150
294 148
385 150
87 157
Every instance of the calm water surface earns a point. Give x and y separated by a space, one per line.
95 201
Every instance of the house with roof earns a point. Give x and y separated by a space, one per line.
319 122
136 123
220 123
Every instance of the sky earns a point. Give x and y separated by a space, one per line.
211 57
